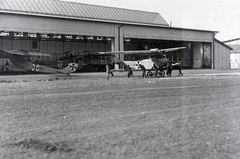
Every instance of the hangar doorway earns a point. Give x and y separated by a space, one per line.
185 56
201 55
197 55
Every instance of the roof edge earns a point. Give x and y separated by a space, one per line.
218 41
85 19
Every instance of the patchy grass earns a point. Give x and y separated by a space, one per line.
194 117
43 146
4 81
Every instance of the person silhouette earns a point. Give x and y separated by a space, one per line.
180 68
130 72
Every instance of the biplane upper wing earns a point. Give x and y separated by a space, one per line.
127 52
32 53
144 51
16 52
171 49
25 53
16 69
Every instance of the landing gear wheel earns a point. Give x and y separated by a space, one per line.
149 74
161 73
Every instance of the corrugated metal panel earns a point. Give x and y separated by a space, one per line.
82 11
223 44
236 48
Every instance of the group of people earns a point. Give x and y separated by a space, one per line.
169 68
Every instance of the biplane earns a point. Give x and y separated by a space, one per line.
23 61
156 62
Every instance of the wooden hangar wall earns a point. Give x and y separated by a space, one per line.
199 43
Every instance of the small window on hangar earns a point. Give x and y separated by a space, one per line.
34 45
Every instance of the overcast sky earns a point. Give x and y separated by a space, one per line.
214 15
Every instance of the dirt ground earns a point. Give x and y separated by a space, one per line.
86 116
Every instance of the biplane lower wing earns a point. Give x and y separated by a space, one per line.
72 67
125 70
118 70
21 64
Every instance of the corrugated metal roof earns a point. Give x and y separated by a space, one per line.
81 11
236 48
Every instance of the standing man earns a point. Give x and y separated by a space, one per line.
180 68
143 71
130 73
6 65
108 71
169 69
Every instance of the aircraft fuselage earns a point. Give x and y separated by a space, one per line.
147 63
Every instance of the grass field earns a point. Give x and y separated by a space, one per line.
90 117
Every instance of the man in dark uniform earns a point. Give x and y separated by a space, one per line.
108 71
143 71
6 65
180 68
130 73
169 69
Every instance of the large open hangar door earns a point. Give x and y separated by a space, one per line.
185 55
58 46
83 48
201 53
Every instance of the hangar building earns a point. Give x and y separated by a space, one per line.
235 52
59 27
